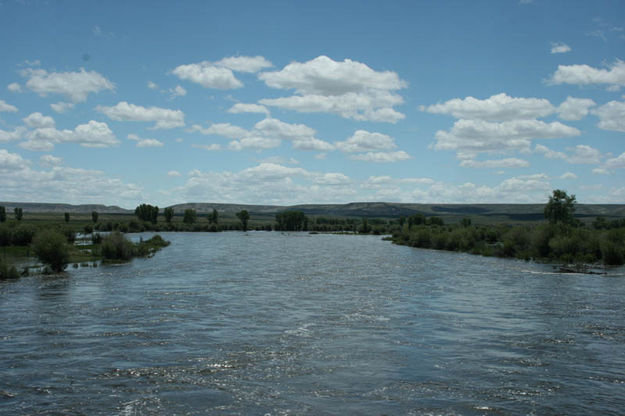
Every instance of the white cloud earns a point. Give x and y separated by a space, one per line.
611 116
615 163
266 134
49 161
474 136
14 87
145 142
350 89
174 174
152 85
91 134
548 153
221 129
16 134
76 86
61 107
62 184
364 141
248 108
255 143
209 147
559 47
575 108
177 91
164 118
381 157
270 183
495 164
568 175
500 107
586 75
10 162
38 120
250 64
208 75
7 107
584 154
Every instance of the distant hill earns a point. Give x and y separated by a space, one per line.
450 212
40 207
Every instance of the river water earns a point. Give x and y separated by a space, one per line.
271 323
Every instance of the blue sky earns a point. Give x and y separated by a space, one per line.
286 102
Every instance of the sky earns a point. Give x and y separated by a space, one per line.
290 102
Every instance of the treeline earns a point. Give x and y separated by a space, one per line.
561 239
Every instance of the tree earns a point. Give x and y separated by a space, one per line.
50 246
244 217
3 214
213 217
190 216
18 213
291 221
169 214
67 217
147 212
560 208
94 216
365 228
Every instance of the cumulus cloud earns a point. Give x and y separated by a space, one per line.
495 164
267 133
38 120
559 47
611 116
584 155
350 89
4 107
14 87
6 136
174 174
164 118
76 86
549 153
568 175
364 141
250 64
177 91
575 108
91 134
587 75
152 85
248 108
614 163
49 161
208 75
61 107
219 74
56 183
381 157
474 136
145 142
500 107
269 183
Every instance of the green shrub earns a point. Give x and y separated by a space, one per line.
612 253
7 272
50 246
22 235
116 247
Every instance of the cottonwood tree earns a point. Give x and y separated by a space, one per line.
94 216
244 217
169 214
3 214
560 208
190 216
147 212
19 213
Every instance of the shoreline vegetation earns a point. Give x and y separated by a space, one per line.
83 239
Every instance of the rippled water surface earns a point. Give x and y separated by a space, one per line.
270 323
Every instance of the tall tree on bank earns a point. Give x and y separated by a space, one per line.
94 216
190 216
169 214
560 208
19 213
244 217
213 217
147 212
67 217
3 214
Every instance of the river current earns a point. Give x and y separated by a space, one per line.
292 323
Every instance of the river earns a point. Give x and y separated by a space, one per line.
292 323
